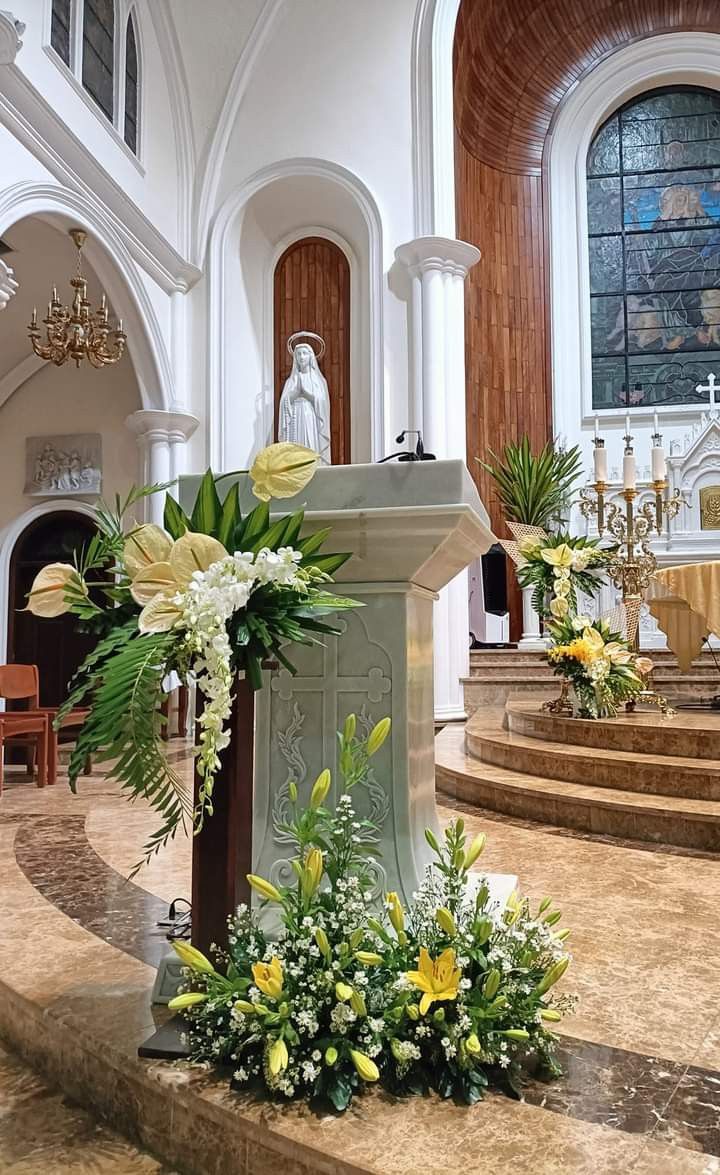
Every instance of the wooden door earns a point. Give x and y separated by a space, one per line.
312 292
55 646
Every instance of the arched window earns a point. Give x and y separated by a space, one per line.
653 194
130 130
85 35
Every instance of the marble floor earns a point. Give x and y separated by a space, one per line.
641 1053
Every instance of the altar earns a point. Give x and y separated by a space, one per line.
411 528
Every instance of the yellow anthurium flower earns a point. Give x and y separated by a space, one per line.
160 615
617 653
154 580
145 545
438 979
561 556
593 642
562 587
47 596
156 584
194 552
269 977
282 470
559 607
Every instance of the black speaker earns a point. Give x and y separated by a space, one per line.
494 574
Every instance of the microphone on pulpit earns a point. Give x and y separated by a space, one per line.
416 454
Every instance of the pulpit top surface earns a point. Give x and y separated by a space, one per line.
387 486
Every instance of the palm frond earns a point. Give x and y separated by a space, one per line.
533 488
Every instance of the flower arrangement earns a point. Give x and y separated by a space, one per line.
449 994
602 668
557 567
210 595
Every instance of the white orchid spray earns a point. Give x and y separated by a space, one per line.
217 594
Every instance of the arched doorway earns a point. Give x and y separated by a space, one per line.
312 292
55 646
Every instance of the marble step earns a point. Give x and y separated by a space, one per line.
687 735
669 820
650 774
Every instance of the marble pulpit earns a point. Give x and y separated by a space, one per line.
411 528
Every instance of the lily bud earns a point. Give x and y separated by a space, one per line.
458 858
312 873
278 1057
491 985
439 1016
188 999
368 958
472 1045
550 1015
432 840
365 1068
331 1055
191 957
561 935
357 1003
349 728
483 930
553 918
475 850
396 913
544 905
356 938
245 1007
320 789
517 1034
552 975
445 921
265 888
377 736
413 1011
343 991
322 941
379 929
396 1049
292 791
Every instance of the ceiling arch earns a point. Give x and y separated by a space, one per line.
514 62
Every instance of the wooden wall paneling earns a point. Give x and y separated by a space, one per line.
312 292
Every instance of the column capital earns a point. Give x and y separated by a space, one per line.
154 424
8 285
11 31
443 254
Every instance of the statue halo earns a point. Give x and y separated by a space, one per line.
306 334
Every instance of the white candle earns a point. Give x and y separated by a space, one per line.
601 466
597 427
656 430
657 454
627 425
629 471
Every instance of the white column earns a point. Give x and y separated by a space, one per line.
8 285
11 31
438 267
162 437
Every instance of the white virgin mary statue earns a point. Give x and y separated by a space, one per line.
305 404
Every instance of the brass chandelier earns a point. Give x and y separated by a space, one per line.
76 332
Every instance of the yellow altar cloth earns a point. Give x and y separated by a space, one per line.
685 601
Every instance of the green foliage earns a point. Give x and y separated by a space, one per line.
533 488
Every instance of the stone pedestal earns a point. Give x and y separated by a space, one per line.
412 528
532 640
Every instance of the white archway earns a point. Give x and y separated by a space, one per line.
228 310
664 60
9 537
433 118
116 270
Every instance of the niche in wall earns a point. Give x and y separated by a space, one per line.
311 291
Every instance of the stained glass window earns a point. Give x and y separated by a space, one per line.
653 194
98 59
131 86
60 29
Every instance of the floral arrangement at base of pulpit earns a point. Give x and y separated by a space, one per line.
211 595
451 994
599 665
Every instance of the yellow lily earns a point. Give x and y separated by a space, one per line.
145 545
282 470
561 556
268 977
47 596
156 584
594 643
438 979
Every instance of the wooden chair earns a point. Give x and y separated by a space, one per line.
22 683
28 728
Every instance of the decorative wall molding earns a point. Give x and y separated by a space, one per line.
223 274
8 285
107 253
209 175
18 375
11 30
39 127
669 59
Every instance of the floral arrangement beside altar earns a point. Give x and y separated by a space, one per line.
450 994
599 664
211 595
557 567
